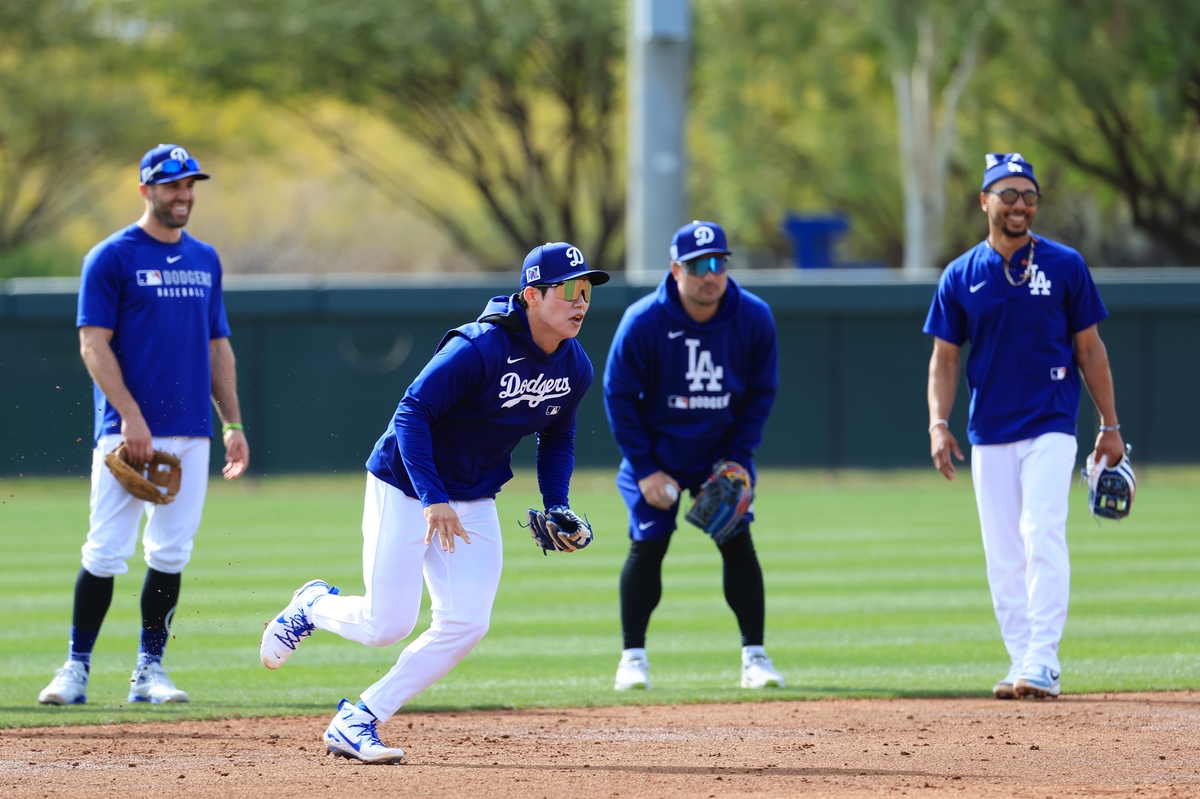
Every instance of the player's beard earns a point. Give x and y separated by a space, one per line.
162 212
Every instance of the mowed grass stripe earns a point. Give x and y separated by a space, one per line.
875 586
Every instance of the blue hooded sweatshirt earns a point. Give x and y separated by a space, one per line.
681 395
487 386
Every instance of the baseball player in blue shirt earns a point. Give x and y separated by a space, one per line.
690 380
434 476
153 335
1030 309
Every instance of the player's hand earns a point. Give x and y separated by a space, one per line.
445 523
138 445
1110 445
237 454
660 490
943 444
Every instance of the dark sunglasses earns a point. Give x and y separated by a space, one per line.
569 290
1009 196
717 264
173 167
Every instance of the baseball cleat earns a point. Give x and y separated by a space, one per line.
1038 682
284 632
352 735
69 686
633 671
1005 688
757 669
150 683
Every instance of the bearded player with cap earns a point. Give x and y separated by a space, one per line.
154 337
434 476
1030 310
690 380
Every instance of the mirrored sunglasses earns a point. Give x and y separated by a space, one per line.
717 264
1009 196
569 290
173 167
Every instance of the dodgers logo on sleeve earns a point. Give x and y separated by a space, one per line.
149 277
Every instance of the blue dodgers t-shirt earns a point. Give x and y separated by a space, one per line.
1021 370
164 305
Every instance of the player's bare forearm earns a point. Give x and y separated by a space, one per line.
225 400
96 350
1091 356
943 384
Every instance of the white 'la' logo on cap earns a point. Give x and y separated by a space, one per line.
575 256
704 235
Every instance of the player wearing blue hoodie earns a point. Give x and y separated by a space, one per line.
690 380
435 473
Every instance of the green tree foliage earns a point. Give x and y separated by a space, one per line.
65 111
518 98
1112 88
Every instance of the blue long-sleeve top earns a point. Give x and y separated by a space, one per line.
681 395
487 386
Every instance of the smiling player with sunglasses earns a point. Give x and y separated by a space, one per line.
434 476
1030 310
690 380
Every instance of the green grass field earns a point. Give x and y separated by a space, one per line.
875 587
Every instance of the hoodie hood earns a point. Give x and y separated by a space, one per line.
505 312
667 296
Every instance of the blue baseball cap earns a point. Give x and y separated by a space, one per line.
554 262
998 166
167 163
698 239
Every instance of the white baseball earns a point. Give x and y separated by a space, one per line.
672 492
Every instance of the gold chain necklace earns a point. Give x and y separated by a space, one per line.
1028 264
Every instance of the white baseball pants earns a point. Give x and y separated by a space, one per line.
1021 490
115 513
462 586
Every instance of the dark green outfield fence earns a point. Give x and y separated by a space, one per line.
322 365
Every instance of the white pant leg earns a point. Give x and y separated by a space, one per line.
393 553
996 474
462 587
115 513
1047 465
171 529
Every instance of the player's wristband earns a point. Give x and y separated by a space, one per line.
225 428
938 422
1110 428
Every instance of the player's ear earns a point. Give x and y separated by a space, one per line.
144 189
531 295
983 201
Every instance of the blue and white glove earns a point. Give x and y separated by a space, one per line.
560 529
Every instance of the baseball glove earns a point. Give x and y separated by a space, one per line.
1110 488
560 529
722 501
144 483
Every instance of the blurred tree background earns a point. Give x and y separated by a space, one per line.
451 135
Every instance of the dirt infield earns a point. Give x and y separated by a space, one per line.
1115 745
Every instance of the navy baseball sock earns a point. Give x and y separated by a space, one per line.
93 595
744 586
641 588
160 595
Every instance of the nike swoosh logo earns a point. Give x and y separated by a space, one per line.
676 334
644 525
357 746
514 360
978 286
173 259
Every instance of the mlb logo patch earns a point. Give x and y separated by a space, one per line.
552 410
533 274
149 277
676 401
1058 373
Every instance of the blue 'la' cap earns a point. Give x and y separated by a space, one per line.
1006 165
698 239
188 167
556 261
